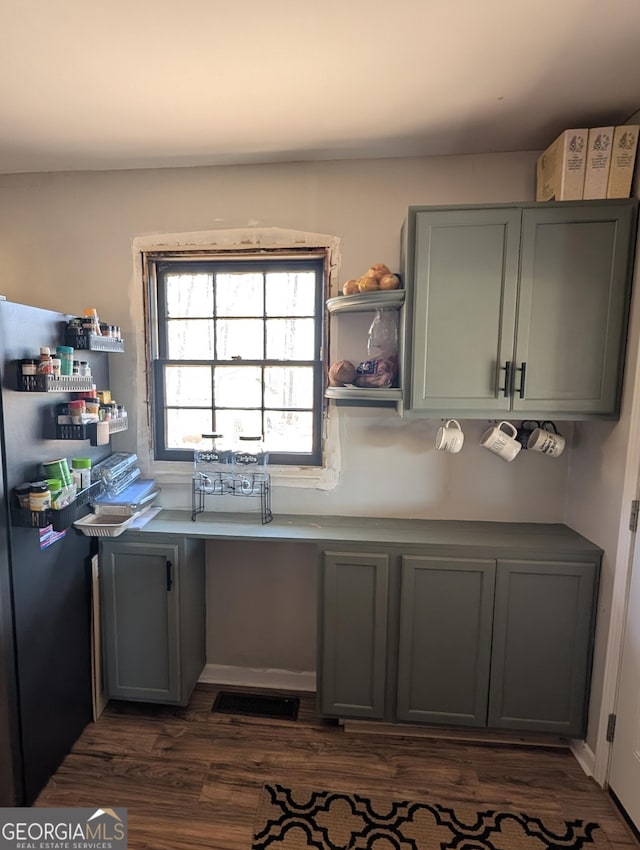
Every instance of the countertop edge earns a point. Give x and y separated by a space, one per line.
486 538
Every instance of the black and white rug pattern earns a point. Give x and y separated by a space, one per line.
300 819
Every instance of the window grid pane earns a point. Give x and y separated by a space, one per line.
260 340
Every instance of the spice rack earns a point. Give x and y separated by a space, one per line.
98 433
54 383
212 479
93 342
59 519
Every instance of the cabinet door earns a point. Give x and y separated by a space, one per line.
542 646
140 598
446 611
353 640
465 270
574 290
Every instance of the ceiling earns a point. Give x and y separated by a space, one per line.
103 84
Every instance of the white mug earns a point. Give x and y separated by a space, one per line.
450 437
546 442
498 441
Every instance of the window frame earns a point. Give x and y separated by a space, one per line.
158 265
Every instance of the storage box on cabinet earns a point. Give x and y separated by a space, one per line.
491 642
518 309
153 617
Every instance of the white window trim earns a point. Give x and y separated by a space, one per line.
236 239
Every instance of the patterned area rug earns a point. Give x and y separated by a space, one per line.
301 819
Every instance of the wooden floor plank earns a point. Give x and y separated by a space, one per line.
191 778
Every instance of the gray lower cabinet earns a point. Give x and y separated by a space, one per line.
444 652
153 618
541 655
518 308
457 641
353 629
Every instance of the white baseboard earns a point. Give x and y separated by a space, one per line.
249 677
584 756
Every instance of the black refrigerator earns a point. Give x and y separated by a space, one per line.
45 587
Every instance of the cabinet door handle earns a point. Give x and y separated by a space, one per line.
523 378
169 578
508 377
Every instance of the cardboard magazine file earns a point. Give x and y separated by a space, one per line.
623 157
596 174
560 169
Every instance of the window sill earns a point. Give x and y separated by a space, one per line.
312 478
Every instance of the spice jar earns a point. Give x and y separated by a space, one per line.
29 366
92 406
45 366
91 323
65 353
78 410
23 491
39 496
81 472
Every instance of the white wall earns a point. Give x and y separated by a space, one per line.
603 479
66 243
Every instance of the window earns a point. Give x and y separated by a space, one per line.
236 350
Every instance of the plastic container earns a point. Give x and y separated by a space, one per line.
65 353
104 525
81 472
58 469
78 411
113 467
249 454
249 466
91 323
45 366
213 467
23 491
132 499
39 496
92 406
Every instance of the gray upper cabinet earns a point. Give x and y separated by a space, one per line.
518 309
464 286
353 620
446 611
152 600
574 271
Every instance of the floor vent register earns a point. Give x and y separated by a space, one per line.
257 705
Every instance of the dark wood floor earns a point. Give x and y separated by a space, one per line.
191 778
